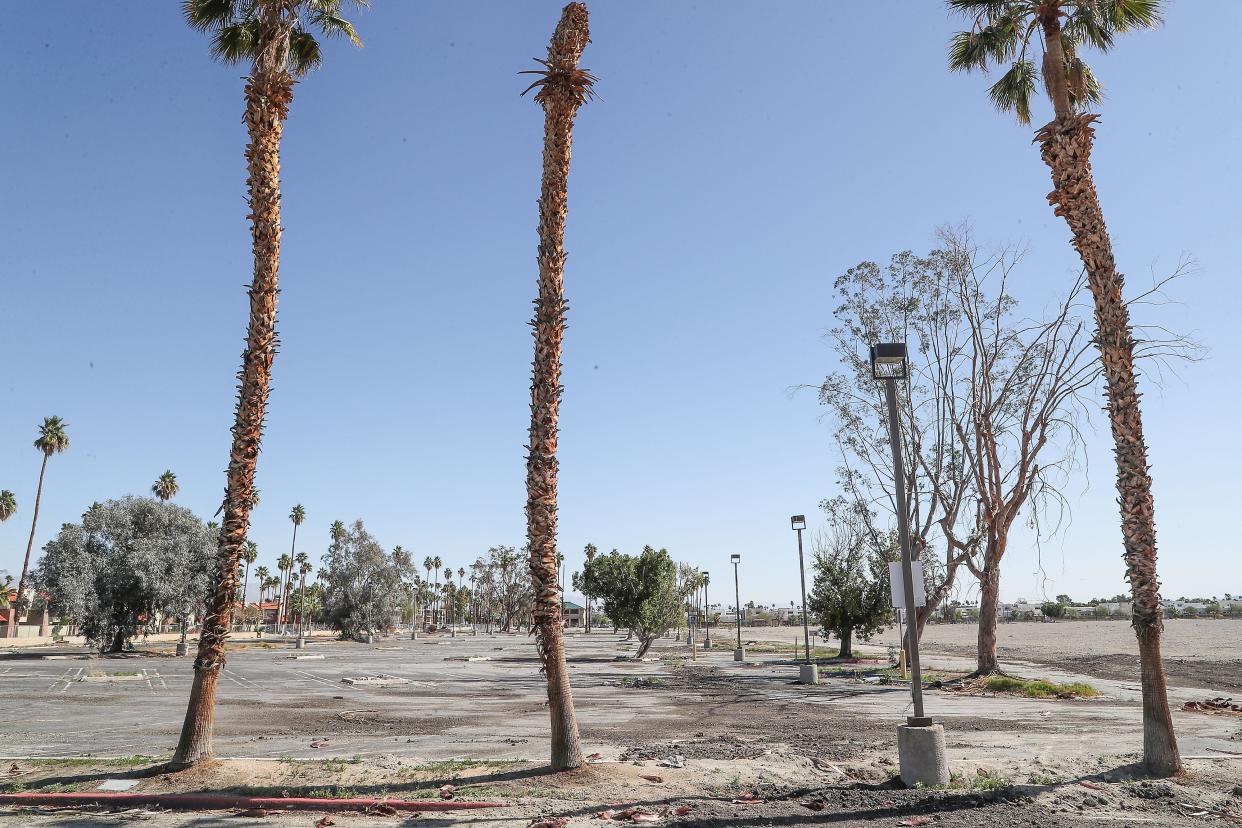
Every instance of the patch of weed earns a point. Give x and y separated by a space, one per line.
1038 688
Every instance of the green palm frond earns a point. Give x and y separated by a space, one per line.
996 42
304 52
1012 93
1089 23
333 25
8 504
1133 14
206 15
236 42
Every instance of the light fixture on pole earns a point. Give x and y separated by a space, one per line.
739 654
809 673
920 744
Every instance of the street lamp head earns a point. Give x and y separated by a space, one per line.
735 558
888 360
797 522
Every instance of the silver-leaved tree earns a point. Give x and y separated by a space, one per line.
128 563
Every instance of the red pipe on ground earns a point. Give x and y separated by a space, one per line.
218 802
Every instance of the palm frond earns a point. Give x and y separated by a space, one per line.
580 83
205 15
1012 93
235 42
333 25
1088 23
982 8
304 53
993 43
1133 14
1085 89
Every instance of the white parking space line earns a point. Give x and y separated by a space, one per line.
240 680
314 677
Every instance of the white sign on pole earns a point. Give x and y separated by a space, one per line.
897 584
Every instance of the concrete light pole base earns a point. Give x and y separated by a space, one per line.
921 753
739 654
300 644
809 674
707 645
181 648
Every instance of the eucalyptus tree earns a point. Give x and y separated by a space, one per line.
165 487
52 439
362 586
127 562
1015 33
8 505
562 87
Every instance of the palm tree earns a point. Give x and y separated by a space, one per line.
261 573
435 567
1004 31
52 439
284 565
589 552
8 505
297 516
562 88
448 595
249 556
276 38
165 487
304 566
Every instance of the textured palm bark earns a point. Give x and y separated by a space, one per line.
268 95
560 94
19 605
1066 148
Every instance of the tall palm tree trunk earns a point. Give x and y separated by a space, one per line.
20 603
561 94
269 92
1065 145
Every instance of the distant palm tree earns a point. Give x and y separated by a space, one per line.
165 488
285 565
8 505
435 567
52 439
589 552
249 556
563 87
261 574
304 566
1011 32
297 516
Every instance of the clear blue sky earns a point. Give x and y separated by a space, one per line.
742 155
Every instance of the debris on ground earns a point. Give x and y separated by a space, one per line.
378 680
324 822
749 798
381 809
674 761
548 822
447 791
1220 704
651 777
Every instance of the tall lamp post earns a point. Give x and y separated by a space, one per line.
739 654
920 744
808 673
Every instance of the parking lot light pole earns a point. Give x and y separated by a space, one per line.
809 673
920 744
739 654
